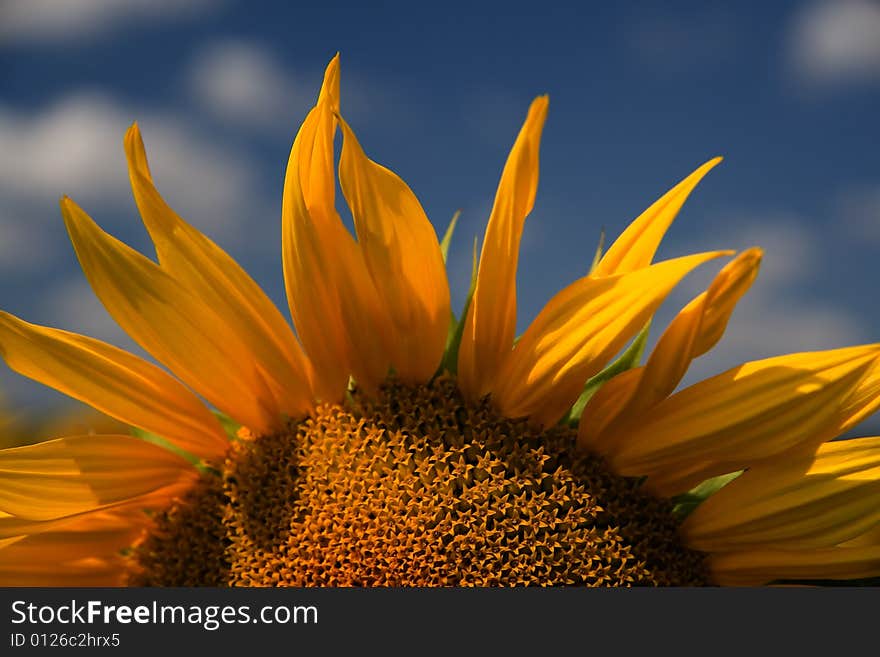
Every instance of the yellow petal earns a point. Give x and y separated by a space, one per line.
697 328
763 566
109 571
97 535
605 409
797 501
335 306
130 511
211 275
577 332
403 256
693 332
490 324
112 381
636 246
751 412
76 474
177 328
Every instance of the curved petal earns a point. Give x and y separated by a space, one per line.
112 381
800 501
490 323
211 275
99 534
577 332
130 511
693 332
108 571
177 328
334 304
76 474
403 255
762 566
636 246
749 413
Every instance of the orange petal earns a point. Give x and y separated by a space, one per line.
109 571
799 501
749 413
695 330
93 535
490 324
112 381
577 332
211 275
177 328
636 246
76 474
403 255
335 306
763 566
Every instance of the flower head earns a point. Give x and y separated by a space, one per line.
385 443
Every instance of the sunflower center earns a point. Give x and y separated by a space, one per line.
416 488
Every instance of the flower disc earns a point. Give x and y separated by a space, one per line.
415 489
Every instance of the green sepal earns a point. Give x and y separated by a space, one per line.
447 236
229 425
629 359
456 326
685 503
171 447
597 258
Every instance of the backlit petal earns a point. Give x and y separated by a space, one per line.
177 328
112 381
578 332
76 474
211 275
109 571
636 246
763 566
797 501
403 256
97 534
334 304
490 324
693 332
749 413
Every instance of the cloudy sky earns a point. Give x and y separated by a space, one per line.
641 93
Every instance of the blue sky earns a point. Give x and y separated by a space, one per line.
641 93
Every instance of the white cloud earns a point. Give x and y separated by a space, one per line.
78 20
833 42
243 82
74 147
24 245
775 317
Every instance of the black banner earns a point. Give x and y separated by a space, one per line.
437 621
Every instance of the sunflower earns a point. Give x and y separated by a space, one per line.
389 442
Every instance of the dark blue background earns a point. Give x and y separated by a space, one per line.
641 93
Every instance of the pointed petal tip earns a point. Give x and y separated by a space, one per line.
539 106
68 206
132 134
703 169
753 254
330 86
